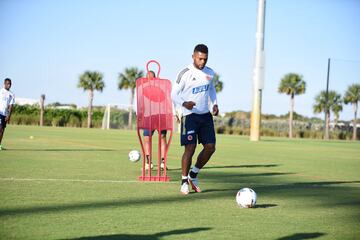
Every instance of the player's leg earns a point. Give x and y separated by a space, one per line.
2 128
1 135
163 148
147 149
207 138
205 155
188 140
187 158
202 159
185 166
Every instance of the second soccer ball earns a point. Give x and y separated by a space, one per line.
134 156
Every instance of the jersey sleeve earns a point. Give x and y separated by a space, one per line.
12 99
177 88
212 92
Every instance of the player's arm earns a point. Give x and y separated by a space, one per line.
176 90
213 98
176 95
177 113
7 118
12 102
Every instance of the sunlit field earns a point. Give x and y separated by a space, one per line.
69 183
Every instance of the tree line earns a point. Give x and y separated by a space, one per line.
291 84
327 102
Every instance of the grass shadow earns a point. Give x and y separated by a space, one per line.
265 205
242 178
301 236
84 206
244 166
323 191
234 166
156 236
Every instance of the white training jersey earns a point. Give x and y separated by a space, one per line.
6 98
195 85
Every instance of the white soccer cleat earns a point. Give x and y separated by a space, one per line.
184 188
194 182
162 166
147 166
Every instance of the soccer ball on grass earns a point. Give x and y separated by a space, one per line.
134 156
246 198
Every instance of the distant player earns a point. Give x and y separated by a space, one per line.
7 100
147 141
192 90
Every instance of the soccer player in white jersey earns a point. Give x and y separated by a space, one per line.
7 99
192 90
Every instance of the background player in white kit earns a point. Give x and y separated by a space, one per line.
146 133
7 99
192 90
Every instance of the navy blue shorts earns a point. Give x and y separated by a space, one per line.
147 132
197 127
2 121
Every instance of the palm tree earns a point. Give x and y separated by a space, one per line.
336 110
333 103
352 95
127 80
219 85
91 81
292 84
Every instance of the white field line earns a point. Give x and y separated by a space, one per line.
79 180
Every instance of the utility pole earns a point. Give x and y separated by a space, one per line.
42 109
326 103
258 77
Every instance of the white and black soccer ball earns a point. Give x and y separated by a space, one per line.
134 156
246 198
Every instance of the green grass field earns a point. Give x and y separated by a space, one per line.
68 183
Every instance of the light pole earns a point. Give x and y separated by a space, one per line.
258 77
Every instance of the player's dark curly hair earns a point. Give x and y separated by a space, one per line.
201 48
7 80
151 71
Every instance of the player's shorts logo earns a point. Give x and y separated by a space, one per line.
208 77
189 137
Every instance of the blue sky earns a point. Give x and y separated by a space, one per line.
46 45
